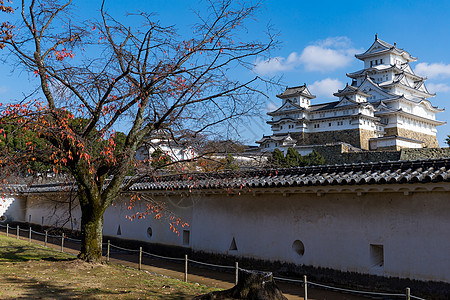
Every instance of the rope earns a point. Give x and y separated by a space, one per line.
290 280
163 257
124 249
211 265
35 232
54 236
414 297
353 291
73 240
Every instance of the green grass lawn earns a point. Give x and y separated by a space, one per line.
32 271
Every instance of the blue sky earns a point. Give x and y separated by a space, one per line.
318 43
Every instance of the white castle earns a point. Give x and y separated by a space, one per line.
386 107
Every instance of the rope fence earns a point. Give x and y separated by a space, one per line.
304 283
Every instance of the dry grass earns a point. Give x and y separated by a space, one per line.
31 271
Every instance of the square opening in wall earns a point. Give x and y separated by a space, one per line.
186 237
376 255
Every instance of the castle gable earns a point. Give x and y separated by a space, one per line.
345 101
286 107
370 87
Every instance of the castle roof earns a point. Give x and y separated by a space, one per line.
350 90
379 68
380 47
296 91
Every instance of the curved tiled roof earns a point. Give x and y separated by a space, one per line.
380 173
355 174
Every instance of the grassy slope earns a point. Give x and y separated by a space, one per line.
31 271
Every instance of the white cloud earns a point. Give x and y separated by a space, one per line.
328 55
3 89
326 87
277 64
438 87
323 55
435 70
271 106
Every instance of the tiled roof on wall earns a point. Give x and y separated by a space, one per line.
400 172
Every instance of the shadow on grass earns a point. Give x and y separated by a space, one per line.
33 289
25 253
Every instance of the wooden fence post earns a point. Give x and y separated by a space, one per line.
45 239
408 293
18 232
185 267
237 273
107 253
306 287
7 229
29 236
140 258
62 242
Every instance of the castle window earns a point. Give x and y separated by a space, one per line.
329 124
371 63
186 237
298 247
376 255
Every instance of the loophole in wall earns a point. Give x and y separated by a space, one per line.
298 247
149 232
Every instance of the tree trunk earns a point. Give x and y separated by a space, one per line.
91 235
252 285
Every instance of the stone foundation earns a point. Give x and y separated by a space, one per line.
429 141
355 137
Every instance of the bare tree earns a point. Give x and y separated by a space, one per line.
98 76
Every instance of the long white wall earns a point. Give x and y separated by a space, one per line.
408 234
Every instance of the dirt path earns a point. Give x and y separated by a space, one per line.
196 274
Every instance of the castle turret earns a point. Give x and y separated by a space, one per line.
299 95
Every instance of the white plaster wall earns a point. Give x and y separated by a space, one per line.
422 111
407 144
13 208
415 125
136 229
53 210
337 231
